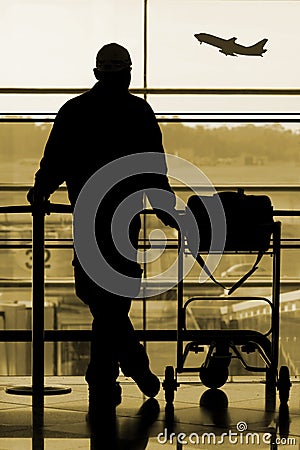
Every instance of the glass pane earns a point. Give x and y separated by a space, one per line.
21 147
33 104
30 104
177 60
201 104
234 153
54 43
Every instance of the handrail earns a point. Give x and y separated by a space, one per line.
63 208
180 188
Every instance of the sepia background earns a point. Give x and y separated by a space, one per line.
236 118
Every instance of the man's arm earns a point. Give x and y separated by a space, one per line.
53 165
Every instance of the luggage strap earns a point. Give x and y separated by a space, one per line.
236 285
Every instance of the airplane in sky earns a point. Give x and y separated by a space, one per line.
230 47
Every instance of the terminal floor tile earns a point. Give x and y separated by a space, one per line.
232 417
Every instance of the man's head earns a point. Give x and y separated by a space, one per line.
113 66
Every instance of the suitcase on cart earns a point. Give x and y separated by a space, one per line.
250 229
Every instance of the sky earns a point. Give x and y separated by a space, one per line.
181 58
53 43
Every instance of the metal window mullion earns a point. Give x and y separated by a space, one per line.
145 48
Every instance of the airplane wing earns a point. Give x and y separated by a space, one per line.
226 52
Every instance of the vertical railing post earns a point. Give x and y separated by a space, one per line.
180 317
272 371
38 225
276 292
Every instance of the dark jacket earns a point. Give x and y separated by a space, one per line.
92 130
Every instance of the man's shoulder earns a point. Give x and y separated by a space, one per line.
74 104
87 98
78 100
139 102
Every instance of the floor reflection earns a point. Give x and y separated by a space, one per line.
198 418
283 421
211 423
130 434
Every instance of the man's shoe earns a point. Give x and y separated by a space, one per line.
147 382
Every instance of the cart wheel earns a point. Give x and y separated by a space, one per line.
169 384
213 377
284 384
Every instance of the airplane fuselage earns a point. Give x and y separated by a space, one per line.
230 47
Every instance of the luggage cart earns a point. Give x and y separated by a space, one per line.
224 344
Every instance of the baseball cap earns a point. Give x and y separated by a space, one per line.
113 58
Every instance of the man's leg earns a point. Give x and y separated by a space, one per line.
114 340
123 347
103 368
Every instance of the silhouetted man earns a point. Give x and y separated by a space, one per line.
89 131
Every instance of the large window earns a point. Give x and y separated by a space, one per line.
235 117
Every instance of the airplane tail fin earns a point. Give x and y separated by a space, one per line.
260 46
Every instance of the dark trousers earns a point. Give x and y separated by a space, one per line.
114 343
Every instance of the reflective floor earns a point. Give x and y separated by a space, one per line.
198 418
